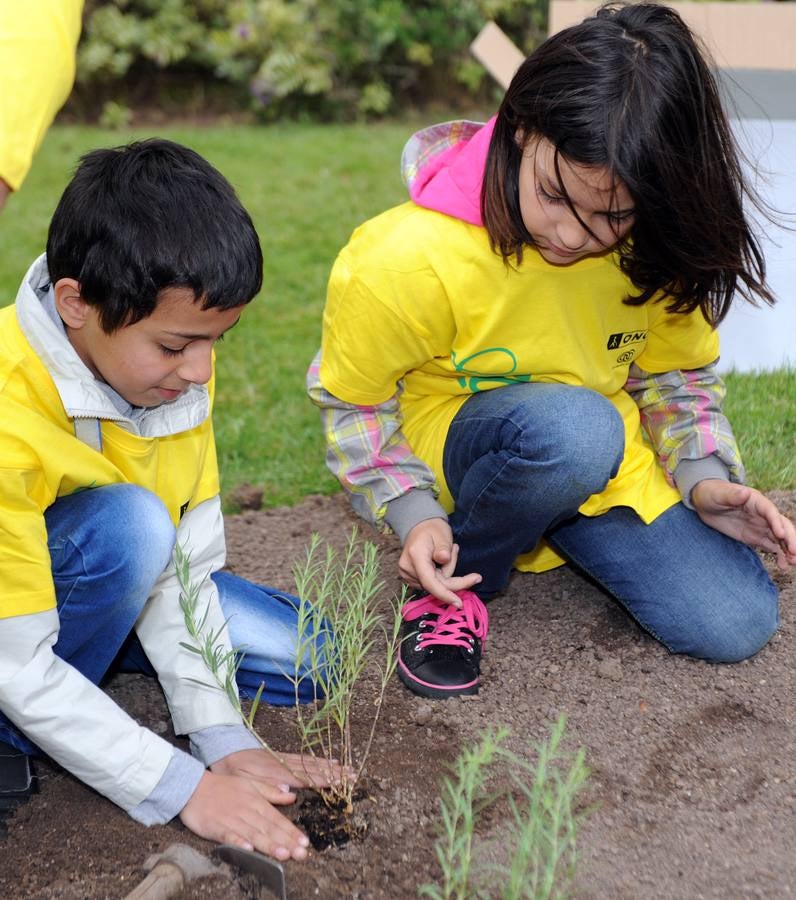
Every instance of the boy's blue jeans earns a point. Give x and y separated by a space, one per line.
520 460
108 547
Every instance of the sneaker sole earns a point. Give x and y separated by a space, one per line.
434 691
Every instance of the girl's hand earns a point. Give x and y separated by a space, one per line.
429 559
239 811
746 515
289 770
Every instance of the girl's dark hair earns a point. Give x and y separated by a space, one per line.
629 89
147 216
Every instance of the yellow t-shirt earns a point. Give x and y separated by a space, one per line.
37 67
419 296
42 460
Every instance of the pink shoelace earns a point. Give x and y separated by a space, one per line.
453 627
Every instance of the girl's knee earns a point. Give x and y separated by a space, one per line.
585 440
592 425
739 631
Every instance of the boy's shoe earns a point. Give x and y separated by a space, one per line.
16 781
441 646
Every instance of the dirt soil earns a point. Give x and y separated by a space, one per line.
693 765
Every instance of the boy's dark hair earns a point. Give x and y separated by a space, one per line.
629 89
152 215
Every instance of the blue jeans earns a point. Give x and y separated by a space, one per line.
108 547
519 462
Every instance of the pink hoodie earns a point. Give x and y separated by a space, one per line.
443 167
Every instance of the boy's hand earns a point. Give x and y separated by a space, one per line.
294 771
234 810
745 514
428 561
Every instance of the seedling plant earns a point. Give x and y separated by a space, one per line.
340 601
542 825
342 632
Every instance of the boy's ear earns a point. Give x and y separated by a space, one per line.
72 308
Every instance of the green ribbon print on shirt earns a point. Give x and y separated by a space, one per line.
79 490
502 363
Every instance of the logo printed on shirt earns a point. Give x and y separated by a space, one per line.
623 338
500 360
183 508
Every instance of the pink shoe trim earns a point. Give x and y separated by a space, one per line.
437 687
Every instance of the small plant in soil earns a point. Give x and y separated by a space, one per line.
540 829
340 601
221 663
343 633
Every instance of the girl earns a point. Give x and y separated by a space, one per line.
517 367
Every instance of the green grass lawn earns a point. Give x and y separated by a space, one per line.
307 187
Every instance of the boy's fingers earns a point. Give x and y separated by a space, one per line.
237 840
273 793
317 772
273 834
281 798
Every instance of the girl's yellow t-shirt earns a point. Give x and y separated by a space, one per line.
419 297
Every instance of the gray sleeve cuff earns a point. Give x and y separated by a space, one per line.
209 745
172 792
690 472
406 511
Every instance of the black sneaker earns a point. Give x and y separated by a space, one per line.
16 781
441 646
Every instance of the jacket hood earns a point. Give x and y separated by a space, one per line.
443 167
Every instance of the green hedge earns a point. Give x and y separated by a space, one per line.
332 59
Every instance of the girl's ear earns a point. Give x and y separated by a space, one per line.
72 308
519 138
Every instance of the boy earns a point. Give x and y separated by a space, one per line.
107 458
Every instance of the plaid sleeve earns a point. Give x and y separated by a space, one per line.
367 452
681 411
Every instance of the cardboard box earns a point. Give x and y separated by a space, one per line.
738 35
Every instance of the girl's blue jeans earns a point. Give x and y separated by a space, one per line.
520 460
108 547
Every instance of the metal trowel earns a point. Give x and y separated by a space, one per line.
267 871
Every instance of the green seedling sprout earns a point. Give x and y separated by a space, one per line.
339 601
543 823
222 664
462 799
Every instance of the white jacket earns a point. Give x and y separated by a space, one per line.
70 718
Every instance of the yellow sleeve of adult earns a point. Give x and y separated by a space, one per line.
38 39
677 341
